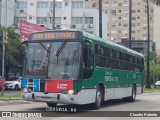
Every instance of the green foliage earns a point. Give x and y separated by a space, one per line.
157 2
154 68
11 96
1 41
1 35
12 45
151 89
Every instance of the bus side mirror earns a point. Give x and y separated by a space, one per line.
21 50
20 46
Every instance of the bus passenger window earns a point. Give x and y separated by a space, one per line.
87 62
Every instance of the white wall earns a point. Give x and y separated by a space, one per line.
68 12
32 10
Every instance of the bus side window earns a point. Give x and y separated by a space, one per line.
87 62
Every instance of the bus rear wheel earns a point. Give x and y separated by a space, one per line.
132 98
51 104
99 98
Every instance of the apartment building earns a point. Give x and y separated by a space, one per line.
118 22
156 29
70 14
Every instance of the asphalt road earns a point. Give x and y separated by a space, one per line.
145 102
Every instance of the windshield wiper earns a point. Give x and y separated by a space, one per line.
44 47
46 57
60 49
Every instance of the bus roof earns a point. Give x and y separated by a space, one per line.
101 40
111 44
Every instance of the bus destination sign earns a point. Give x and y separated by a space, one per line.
54 35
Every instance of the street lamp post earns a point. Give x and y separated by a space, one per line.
100 18
0 10
4 48
53 19
130 24
148 47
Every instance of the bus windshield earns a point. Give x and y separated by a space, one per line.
37 57
57 60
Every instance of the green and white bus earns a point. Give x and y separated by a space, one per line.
75 67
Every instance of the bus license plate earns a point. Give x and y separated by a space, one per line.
44 98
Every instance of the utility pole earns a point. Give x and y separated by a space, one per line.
148 54
0 10
4 48
100 18
53 19
130 24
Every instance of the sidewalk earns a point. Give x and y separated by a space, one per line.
152 91
13 102
9 99
10 96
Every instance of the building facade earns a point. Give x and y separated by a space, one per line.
139 45
118 21
156 29
118 25
7 12
70 14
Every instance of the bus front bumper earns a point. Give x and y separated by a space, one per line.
52 98
83 97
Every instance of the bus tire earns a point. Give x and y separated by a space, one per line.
99 98
132 98
51 104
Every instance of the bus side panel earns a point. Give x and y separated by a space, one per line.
121 85
97 77
77 85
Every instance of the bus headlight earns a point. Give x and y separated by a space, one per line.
26 90
72 92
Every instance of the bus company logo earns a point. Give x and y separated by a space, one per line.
61 86
6 114
111 79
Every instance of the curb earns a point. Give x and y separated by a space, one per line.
7 99
155 91
152 91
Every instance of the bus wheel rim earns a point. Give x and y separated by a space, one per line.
134 94
99 98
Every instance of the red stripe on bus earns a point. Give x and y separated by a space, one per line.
53 85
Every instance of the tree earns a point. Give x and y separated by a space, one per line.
12 46
1 44
152 71
154 68
157 2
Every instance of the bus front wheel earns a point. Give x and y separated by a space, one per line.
99 97
51 104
